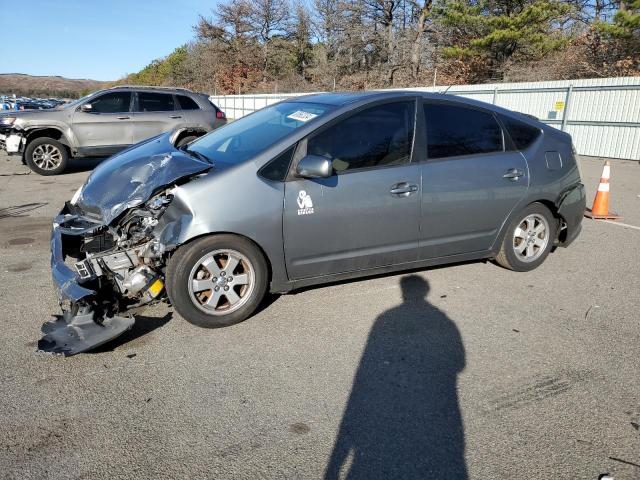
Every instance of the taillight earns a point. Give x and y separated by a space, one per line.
220 114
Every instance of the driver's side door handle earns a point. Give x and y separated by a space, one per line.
513 174
403 189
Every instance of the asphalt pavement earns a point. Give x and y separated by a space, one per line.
461 371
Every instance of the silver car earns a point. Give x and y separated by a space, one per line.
104 123
311 190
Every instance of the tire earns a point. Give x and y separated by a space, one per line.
522 249
46 156
188 279
183 141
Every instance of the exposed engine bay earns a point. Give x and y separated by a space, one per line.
122 264
107 258
127 255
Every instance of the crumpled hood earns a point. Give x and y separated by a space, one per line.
129 178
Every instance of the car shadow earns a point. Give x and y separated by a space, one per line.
393 273
402 419
83 164
142 326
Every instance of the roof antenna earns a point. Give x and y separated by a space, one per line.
446 90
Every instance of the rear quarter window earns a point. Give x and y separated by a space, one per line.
187 103
523 135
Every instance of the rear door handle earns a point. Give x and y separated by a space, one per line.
513 174
403 189
175 116
123 118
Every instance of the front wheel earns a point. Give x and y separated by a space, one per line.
217 281
529 239
186 140
46 156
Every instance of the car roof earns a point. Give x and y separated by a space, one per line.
345 98
151 88
342 99
334 98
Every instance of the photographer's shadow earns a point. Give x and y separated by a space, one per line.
403 419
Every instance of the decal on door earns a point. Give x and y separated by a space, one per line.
305 204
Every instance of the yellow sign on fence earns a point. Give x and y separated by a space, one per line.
559 106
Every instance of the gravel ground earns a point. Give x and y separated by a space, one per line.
494 374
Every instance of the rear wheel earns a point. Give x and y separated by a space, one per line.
46 156
529 239
217 281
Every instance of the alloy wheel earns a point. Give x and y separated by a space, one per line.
221 282
47 156
531 237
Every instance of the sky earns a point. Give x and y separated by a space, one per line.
96 39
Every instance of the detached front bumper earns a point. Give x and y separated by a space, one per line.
66 281
83 325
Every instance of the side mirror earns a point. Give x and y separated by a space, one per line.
87 108
314 166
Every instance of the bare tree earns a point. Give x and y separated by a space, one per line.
265 45
301 36
423 9
267 19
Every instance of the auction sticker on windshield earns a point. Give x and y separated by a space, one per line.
302 116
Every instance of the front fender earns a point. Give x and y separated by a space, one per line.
65 137
235 201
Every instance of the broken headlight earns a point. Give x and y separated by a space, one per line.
76 196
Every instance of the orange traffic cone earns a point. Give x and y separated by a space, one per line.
600 209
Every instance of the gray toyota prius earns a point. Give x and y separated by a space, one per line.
311 190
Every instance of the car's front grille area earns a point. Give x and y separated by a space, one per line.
97 243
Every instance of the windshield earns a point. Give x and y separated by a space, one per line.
244 138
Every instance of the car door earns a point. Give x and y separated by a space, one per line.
107 127
155 113
366 214
470 181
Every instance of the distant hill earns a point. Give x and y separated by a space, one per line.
47 86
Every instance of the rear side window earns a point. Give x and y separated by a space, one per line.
522 134
454 131
155 102
187 103
378 136
116 102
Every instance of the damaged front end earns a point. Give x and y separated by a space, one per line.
12 138
105 259
101 273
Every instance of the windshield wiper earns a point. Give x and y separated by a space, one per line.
200 156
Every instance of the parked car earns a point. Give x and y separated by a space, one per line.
308 191
104 123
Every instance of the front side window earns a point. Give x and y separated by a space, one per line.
115 102
378 136
454 131
155 102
